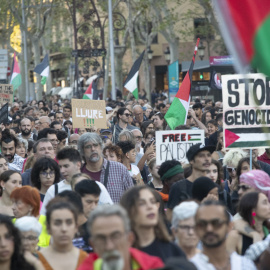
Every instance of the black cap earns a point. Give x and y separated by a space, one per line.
197 148
105 130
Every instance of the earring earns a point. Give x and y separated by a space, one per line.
253 218
3 188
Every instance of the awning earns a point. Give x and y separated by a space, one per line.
198 65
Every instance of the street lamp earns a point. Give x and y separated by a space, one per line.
201 49
149 53
167 54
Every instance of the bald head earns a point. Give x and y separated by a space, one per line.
138 113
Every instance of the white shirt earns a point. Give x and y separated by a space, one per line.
134 170
238 262
104 197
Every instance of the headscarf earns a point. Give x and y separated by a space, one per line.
257 179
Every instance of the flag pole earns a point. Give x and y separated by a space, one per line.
113 94
25 54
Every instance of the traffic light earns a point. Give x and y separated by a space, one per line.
31 75
201 76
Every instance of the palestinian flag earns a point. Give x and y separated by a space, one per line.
177 113
245 27
88 93
16 78
43 69
131 83
247 137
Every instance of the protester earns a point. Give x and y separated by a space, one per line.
26 202
3 164
45 173
73 140
21 148
212 227
159 121
44 122
112 153
155 182
112 222
183 227
62 224
26 130
151 234
9 180
11 249
30 230
199 157
254 208
117 178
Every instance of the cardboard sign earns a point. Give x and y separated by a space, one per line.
6 93
4 114
88 113
174 144
246 114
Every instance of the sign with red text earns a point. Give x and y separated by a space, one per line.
246 114
88 113
174 144
6 93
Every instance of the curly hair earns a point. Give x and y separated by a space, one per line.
165 166
43 164
113 149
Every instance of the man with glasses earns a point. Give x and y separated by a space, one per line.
212 225
113 175
73 140
111 238
123 115
51 135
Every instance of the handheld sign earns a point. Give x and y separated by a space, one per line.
88 113
174 144
246 114
4 114
6 93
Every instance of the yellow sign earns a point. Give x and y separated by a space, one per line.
16 39
88 113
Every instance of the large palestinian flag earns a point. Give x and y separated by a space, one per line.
16 78
131 82
177 113
245 27
43 69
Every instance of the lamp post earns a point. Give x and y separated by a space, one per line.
149 57
149 53
167 54
201 49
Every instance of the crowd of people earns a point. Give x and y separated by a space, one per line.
78 198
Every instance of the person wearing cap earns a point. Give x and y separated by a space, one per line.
123 115
199 157
106 132
170 172
183 227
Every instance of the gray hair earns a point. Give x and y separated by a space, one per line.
137 106
86 138
106 210
26 224
137 130
47 119
24 142
183 211
129 135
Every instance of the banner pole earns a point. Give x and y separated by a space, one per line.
250 159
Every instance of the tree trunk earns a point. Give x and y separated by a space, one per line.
131 32
147 79
106 73
39 87
174 49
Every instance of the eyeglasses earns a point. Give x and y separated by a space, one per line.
230 169
186 227
127 114
54 141
46 174
90 146
215 223
29 238
244 187
101 240
73 142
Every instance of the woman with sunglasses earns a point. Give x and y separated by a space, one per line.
45 173
254 209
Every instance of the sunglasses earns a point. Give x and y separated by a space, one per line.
243 187
230 169
127 114
215 223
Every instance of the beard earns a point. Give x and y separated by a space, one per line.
26 132
94 158
214 244
112 260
